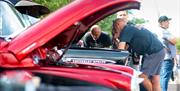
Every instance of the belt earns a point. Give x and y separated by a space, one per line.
169 59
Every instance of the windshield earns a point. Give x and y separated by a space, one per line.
11 21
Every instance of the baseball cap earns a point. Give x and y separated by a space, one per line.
163 18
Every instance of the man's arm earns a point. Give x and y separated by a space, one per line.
171 40
85 42
169 37
107 42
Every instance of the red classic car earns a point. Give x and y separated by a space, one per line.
29 59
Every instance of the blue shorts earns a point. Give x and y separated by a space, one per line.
151 64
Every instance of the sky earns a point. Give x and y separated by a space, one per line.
151 9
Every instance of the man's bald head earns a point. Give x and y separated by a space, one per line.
95 31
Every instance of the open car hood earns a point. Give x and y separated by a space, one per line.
63 26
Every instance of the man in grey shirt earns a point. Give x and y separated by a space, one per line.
169 42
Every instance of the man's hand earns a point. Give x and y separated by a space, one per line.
172 40
122 45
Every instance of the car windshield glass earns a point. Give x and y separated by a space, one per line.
11 21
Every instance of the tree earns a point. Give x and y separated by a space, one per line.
105 24
53 4
138 20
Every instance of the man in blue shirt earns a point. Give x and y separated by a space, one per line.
143 42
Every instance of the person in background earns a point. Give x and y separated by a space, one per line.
169 42
143 42
135 58
97 38
115 34
123 15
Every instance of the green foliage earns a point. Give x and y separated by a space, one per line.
178 45
53 4
135 20
138 20
106 24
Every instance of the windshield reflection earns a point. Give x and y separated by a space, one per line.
11 21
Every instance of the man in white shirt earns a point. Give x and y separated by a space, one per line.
169 42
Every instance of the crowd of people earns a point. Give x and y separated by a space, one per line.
157 49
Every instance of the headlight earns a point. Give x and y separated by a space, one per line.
135 81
